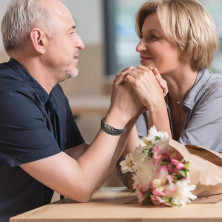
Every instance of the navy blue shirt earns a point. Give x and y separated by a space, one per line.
26 134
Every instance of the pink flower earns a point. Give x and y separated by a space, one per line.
163 184
162 172
170 188
159 193
141 193
171 169
157 156
156 200
177 164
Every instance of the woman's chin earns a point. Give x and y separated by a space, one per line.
146 63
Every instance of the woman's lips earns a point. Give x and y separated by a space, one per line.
145 59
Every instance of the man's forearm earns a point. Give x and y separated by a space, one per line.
119 149
78 151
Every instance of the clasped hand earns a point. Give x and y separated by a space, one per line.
148 85
124 99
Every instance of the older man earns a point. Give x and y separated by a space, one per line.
41 148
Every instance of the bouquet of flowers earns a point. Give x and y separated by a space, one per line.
160 174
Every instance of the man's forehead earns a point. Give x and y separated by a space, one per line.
55 7
59 14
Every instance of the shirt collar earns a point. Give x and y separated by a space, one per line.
25 75
202 77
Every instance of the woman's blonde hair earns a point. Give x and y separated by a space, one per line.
188 23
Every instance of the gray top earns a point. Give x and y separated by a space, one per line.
203 109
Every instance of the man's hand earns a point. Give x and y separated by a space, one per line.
124 101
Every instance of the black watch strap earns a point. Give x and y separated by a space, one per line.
111 130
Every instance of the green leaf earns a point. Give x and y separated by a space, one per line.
157 138
187 165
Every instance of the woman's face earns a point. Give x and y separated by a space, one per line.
155 50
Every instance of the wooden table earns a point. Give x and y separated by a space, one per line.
109 204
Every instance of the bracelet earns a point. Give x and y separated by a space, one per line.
111 130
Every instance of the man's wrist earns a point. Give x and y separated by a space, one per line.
116 119
111 130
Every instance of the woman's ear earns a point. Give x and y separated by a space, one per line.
38 39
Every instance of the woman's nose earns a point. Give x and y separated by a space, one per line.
141 46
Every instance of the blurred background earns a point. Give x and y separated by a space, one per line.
107 28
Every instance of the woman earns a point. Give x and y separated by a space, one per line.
177 41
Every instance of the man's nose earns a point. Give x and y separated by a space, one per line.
80 43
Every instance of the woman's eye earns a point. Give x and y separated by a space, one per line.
154 37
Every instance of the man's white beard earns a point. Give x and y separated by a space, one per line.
68 75
73 75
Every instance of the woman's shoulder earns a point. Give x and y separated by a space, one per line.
213 81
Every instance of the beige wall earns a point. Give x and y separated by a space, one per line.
91 74
3 56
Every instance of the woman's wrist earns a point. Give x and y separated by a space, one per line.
155 104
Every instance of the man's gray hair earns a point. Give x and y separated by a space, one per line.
19 19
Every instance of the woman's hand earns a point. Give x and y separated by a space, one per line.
122 74
148 85
160 80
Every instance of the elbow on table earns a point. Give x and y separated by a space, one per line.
85 197
82 195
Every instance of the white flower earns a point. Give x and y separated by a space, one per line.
183 194
144 171
139 154
152 135
163 142
161 139
145 142
127 165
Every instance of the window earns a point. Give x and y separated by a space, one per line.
121 38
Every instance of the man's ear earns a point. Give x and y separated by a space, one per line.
38 39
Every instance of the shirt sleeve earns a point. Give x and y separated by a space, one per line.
205 121
24 136
142 125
